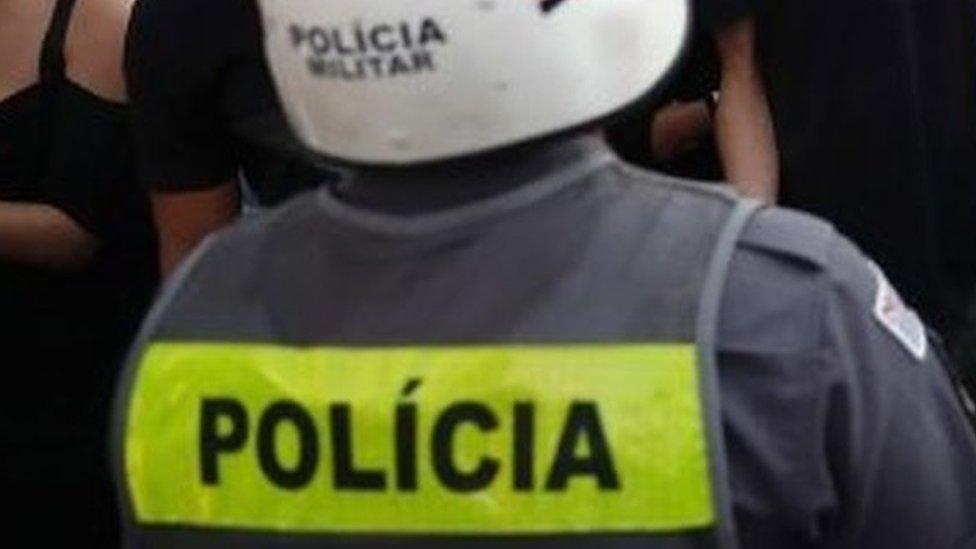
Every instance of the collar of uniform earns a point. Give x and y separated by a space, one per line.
412 201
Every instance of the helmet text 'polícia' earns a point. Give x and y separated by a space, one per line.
363 51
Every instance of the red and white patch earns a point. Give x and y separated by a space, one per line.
899 319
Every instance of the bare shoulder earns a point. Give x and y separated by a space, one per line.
95 47
22 26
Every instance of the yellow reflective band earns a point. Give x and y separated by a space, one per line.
435 440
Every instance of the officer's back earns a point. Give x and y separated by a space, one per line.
534 346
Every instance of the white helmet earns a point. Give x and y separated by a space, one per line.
413 81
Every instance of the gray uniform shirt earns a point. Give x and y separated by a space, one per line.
837 433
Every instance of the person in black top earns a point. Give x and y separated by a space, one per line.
716 124
677 138
77 258
206 111
874 105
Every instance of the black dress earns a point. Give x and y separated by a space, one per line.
64 334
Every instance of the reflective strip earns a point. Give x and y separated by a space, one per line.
508 439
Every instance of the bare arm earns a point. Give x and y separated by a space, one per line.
743 123
679 127
43 236
185 218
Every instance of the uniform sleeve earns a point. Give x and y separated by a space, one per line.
899 438
176 56
840 431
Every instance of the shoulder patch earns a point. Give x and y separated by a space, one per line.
897 318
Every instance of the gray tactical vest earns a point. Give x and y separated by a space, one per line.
534 370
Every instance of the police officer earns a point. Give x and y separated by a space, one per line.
499 335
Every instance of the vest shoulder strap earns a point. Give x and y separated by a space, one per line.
707 335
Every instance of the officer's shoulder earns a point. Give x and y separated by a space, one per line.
638 181
789 270
788 235
684 199
800 242
776 285
242 244
791 237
